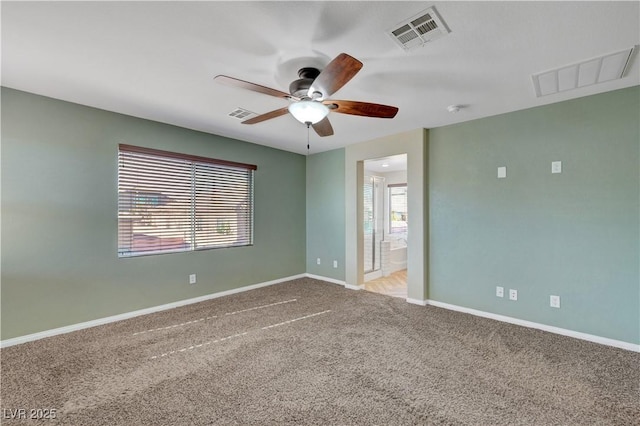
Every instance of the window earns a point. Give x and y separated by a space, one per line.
397 208
170 202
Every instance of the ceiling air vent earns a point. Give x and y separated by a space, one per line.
424 27
241 113
586 73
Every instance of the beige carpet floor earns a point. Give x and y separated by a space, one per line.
308 352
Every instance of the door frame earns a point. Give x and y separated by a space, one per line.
415 144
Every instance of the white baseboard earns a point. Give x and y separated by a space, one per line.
334 281
327 279
353 287
417 301
127 315
551 329
101 321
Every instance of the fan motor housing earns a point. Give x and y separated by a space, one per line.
299 88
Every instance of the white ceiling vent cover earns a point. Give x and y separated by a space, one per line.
422 28
241 113
586 73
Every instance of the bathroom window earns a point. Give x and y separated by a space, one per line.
398 208
169 202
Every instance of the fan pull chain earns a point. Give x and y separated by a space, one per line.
308 123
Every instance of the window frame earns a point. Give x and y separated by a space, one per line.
199 166
390 187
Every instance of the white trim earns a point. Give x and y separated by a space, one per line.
352 287
146 311
327 279
551 329
101 321
417 301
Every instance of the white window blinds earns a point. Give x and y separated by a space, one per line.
170 202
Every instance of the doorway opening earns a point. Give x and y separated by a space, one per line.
385 230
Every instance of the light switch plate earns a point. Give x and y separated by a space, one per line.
499 291
502 172
556 167
554 301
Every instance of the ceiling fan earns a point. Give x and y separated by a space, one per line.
309 95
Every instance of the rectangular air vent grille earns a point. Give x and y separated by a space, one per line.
422 28
586 73
424 24
241 114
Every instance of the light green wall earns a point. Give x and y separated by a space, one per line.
573 234
325 214
59 217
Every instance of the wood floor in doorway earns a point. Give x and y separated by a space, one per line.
394 285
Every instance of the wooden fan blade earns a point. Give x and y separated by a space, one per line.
267 116
230 81
335 75
323 127
365 109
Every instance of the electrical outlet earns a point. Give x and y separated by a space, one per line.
192 279
335 263
513 294
499 291
556 167
318 261
554 301
502 172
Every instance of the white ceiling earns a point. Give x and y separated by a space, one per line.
157 60
393 163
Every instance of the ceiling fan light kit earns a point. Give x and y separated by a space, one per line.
308 111
308 95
